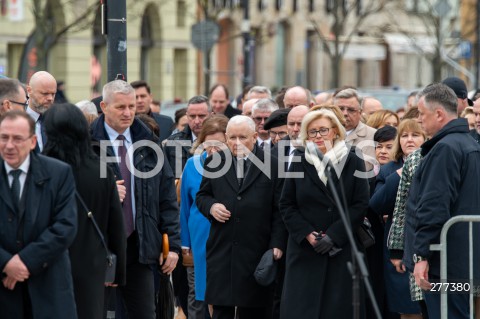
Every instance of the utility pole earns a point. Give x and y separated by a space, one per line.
246 43
114 15
477 48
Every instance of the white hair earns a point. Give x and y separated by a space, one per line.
87 107
265 105
242 119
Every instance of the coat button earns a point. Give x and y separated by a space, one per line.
239 197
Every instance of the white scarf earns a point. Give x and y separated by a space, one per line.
335 155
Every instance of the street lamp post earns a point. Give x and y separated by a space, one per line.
246 43
115 14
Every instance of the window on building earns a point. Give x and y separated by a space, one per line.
311 5
278 5
181 13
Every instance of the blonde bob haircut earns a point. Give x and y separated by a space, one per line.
315 115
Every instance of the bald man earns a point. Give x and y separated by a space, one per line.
41 90
369 106
297 95
12 96
247 107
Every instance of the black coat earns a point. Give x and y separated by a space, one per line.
318 286
165 125
155 197
87 254
231 112
446 184
183 141
50 226
235 248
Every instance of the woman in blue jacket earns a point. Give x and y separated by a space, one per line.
195 227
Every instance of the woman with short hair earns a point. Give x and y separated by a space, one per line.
317 281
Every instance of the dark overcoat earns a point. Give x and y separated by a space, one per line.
446 184
319 286
87 254
49 227
234 248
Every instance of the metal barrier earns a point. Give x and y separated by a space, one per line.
442 248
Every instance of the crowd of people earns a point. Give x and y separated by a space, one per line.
240 203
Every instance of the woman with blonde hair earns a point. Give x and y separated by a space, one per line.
409 138
383 117
318 248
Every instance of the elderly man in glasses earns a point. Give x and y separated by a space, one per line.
260 113
12 96
358 134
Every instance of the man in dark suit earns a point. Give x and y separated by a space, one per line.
150 205
38 222
41 91
177 146
243 227
144 99
219 101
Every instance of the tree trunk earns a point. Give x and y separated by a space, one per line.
336 69
437 67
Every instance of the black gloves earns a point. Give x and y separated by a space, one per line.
324 244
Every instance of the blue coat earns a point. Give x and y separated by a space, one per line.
50 226
195 227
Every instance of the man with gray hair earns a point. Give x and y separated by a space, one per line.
178 145
12 96
259 92
150 205
445 185
358 134
243 227
260 113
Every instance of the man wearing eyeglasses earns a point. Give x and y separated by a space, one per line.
41 90
12 96
177 146
143 101
38 214
358 134
260 113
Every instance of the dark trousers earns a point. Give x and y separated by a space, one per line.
227 312
138 295
458 305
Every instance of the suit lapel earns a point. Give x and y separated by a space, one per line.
5 193
33 192
231 174
253 170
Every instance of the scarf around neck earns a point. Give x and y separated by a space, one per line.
335 155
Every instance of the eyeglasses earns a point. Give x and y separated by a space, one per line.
323 132
200 117
279 134
259 119
25 105
16 140
350 110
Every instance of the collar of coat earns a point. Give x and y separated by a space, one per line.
138 130
454 126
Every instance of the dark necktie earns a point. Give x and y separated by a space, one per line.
242 168
15 188
262 145
42 130
127 178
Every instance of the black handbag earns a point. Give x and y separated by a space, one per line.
365 234
111 257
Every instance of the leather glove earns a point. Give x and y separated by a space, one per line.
324 244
